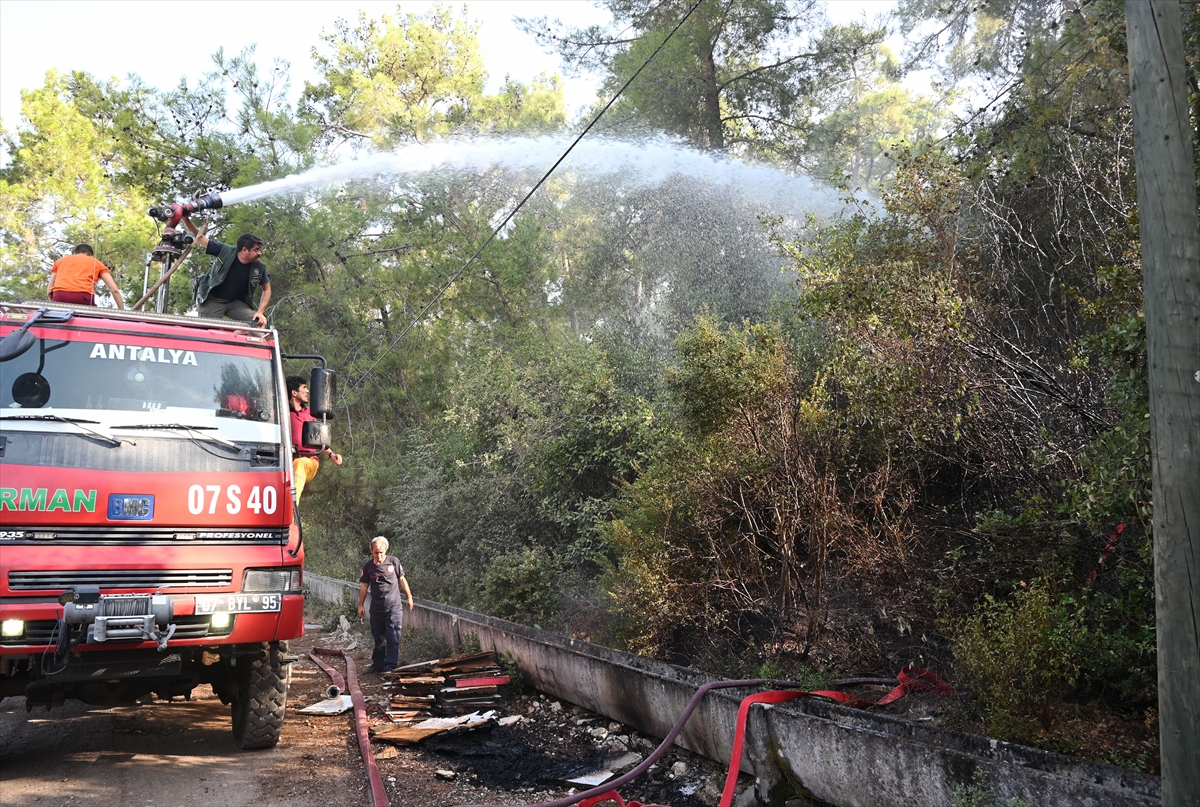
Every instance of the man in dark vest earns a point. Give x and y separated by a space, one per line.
227 288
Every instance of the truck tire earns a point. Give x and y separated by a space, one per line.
260 699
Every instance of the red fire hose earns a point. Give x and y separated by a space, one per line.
911 679
378 794
339 684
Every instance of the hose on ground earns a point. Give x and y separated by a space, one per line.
339 684
378 794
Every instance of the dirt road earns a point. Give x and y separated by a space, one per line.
164 753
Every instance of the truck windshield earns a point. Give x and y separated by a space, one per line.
143 379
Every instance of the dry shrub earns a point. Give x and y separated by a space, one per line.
1022 657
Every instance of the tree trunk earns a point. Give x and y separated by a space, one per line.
712 93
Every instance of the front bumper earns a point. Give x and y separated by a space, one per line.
42 621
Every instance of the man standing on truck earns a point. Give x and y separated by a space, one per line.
307 460
227 288
383 576
73 278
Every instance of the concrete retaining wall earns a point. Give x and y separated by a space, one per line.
330 589
846 757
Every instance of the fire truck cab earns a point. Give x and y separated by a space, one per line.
147 535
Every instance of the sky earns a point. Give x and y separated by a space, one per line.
163 42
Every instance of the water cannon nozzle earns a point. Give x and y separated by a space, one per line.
172 213
212 201
174 241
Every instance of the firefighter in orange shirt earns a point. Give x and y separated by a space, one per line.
73 279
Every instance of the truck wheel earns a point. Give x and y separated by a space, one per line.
260 699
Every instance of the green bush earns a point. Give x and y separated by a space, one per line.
522 584
1021 657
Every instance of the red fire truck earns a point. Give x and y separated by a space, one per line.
147 535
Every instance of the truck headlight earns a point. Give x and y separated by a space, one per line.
266 580
220 620
12 627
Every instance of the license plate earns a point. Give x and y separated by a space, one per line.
238 603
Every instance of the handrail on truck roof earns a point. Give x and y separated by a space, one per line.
136 316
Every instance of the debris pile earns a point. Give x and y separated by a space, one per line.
443 696
412 732
444 687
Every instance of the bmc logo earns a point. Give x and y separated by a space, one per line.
130 507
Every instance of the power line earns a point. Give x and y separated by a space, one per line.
454 278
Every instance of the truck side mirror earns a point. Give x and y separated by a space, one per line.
17 342
317 434
20 340
322 389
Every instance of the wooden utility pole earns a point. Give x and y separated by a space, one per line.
1166 189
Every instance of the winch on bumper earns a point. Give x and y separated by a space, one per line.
119 617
